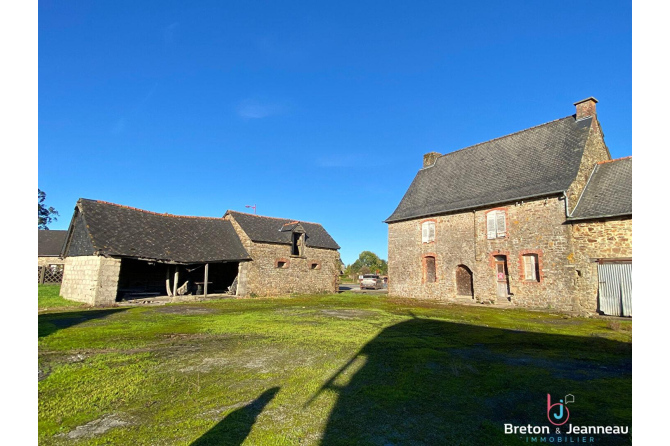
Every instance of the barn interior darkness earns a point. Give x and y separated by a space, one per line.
139 278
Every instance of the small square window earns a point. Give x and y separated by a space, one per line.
314 265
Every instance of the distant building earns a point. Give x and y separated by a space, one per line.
49 244
540 218
49 264
115 252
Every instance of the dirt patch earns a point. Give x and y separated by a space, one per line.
184 309
98 427
348 314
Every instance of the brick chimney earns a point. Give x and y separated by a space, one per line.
430 157
586 108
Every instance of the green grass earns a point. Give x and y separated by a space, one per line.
347 369
48 298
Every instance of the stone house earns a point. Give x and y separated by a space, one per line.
526 219
115 252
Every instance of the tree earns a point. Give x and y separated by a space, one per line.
367 262
45 215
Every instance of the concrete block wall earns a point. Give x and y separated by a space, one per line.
91 279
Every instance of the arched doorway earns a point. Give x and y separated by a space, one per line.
464 281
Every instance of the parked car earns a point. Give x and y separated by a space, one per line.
371 281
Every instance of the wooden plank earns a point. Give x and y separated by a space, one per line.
206 277
167 281
176 280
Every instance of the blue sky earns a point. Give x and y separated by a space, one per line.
310 110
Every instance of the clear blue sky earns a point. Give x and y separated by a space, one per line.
314 111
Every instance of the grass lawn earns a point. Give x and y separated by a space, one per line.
48 299
344 369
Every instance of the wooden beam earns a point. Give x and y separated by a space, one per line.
167 281
206 277
176 280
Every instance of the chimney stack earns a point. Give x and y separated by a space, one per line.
429 158
586 108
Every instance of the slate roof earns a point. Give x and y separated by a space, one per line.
50 242
278 230
537 161
609 191
123 231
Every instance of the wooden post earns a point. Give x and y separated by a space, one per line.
176 280
167 281
206 277
42 271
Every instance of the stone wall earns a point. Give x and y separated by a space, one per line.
91 279
263 277
316 272
610 238
533 227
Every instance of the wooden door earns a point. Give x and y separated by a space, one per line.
464 281
502 278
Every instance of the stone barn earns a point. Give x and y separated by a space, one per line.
524 220
114 252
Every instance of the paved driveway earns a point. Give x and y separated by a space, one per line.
355 288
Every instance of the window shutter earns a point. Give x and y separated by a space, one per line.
491 225
424 232
431 231
527 267
500 223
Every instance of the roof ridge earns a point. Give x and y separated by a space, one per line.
616 159
500 137
274 218
152 212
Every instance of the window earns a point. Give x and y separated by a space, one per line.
297 244
429 270
531 270
315 265
496 226
281 263
428 232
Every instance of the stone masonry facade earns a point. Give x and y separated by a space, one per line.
610 238
274 271
533 227
565 250
91 279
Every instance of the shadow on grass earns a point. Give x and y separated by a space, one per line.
432 382
52 322
235 427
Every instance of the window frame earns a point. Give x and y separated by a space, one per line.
424 263
428 224
497 213
538 271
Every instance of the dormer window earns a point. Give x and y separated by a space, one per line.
428 231
298 244
496 224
